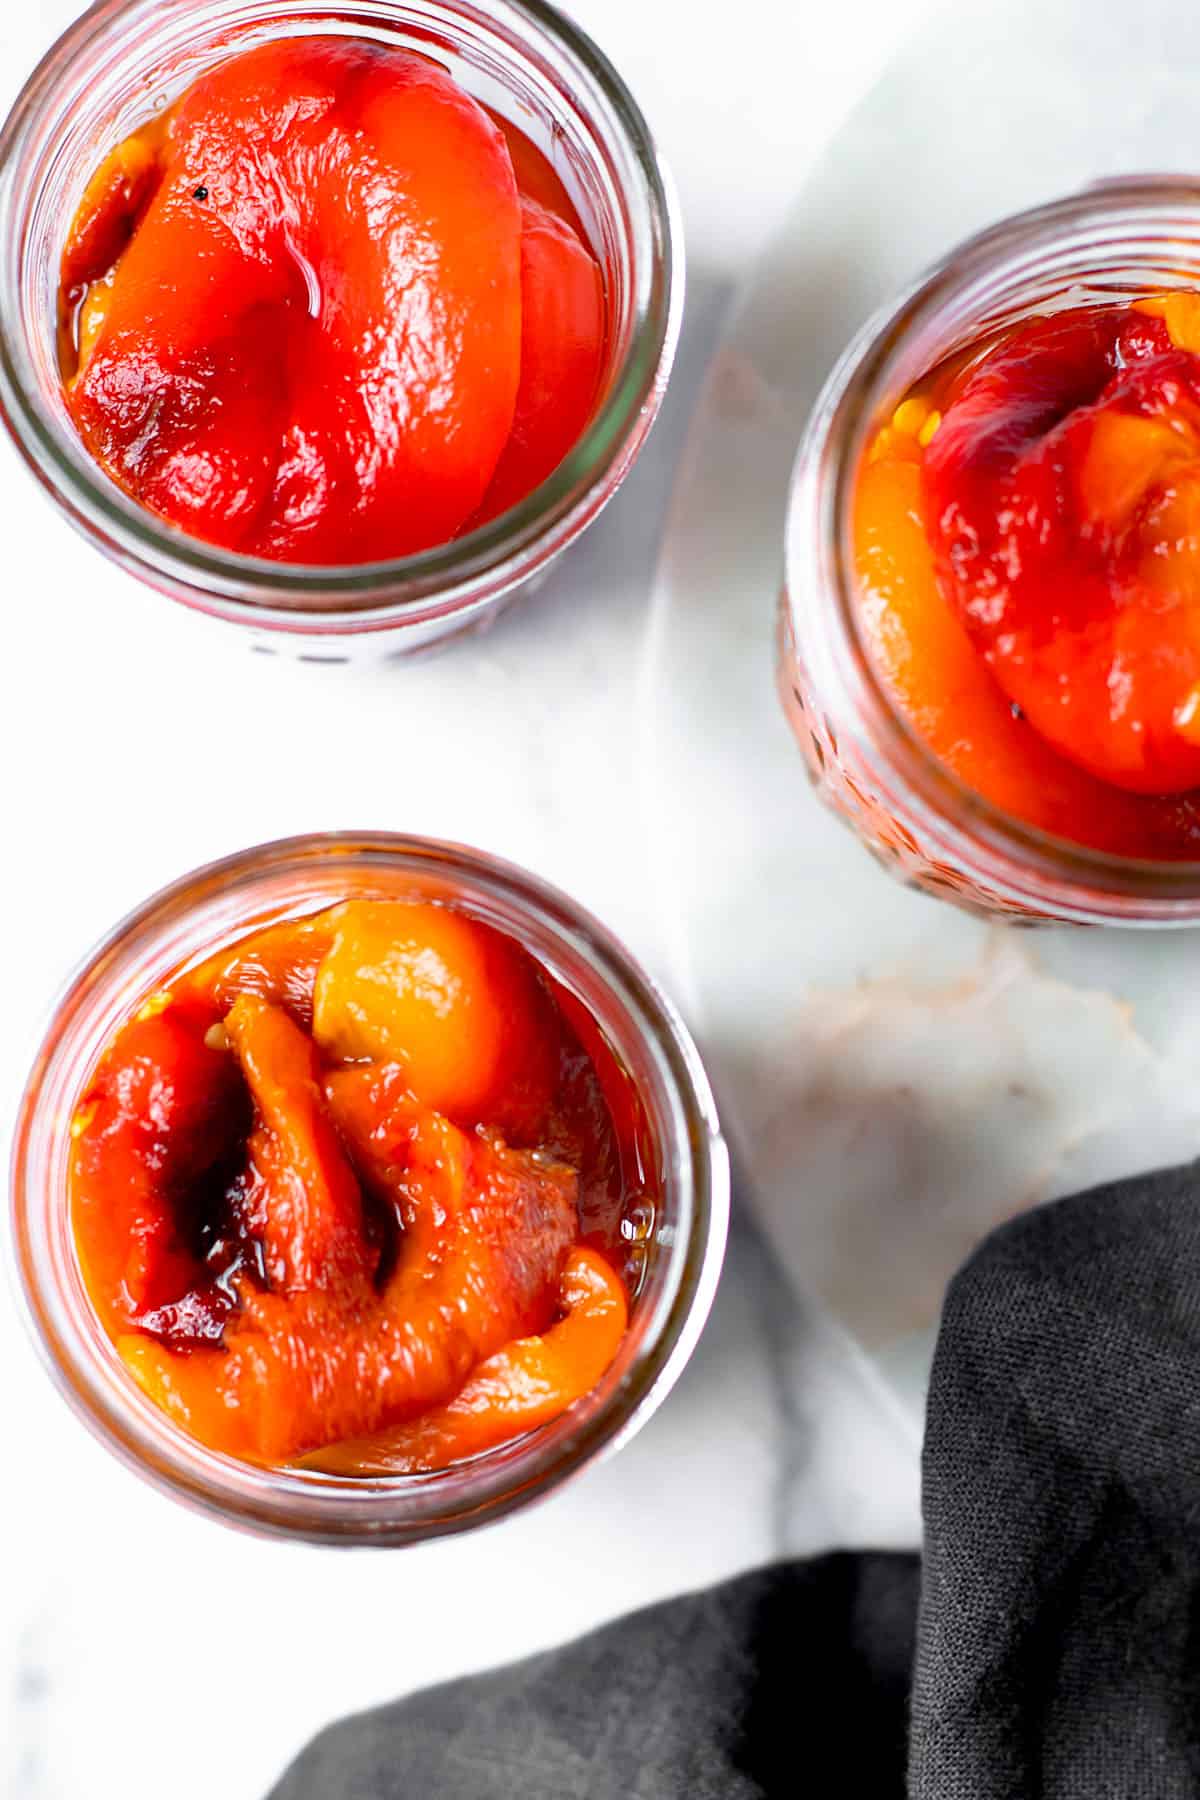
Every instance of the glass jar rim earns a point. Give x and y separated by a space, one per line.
400 1509
430 584
820 510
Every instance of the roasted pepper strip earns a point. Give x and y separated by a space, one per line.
278 963
487 1233
313 1225
562 355
492 1224
163 1109
528 1383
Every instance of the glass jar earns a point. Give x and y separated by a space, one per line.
1112 242
680 1248
120 65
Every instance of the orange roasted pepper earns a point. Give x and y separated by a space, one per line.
331 1189
1027 536
525 1385
327 309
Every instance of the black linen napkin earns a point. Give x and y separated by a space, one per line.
1054 1651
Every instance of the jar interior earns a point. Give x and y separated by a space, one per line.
179 934
1104 248
137 60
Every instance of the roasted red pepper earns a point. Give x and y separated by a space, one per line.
311 315
165 1110
330 1192
1028 539
562 337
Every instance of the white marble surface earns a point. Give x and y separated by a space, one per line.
145 1651
899 1077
